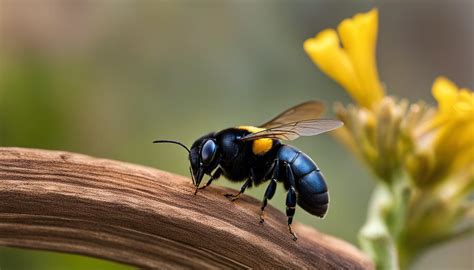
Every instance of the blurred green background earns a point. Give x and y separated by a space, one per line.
105 78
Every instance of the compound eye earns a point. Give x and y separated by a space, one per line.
208 151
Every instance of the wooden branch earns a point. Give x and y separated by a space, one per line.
148 218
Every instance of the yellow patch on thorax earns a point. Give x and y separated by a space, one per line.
251 129
260 146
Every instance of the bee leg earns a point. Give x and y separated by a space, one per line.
234 197
270 191
290 209
290 200
214 176
268 196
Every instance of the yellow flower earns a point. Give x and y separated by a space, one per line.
353 65
423 156
445 142
454 103
381 136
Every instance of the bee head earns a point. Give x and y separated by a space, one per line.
203 157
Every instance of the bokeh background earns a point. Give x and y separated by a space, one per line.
105 78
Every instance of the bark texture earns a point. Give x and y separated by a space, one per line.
148 218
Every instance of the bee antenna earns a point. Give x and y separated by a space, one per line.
175 142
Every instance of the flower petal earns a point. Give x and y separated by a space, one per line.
359 37
445 92
326 53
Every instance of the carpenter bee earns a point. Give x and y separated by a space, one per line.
256 154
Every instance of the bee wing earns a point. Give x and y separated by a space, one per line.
291 131
307 110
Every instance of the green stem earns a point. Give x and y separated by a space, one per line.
385 222
375 237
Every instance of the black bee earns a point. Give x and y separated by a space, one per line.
256 154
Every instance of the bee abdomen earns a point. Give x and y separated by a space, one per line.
313 194
310 183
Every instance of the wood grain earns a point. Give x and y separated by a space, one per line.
148 218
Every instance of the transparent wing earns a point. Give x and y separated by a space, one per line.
291 131
307 110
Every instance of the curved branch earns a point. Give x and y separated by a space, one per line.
147 218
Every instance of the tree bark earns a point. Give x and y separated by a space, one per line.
148 218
